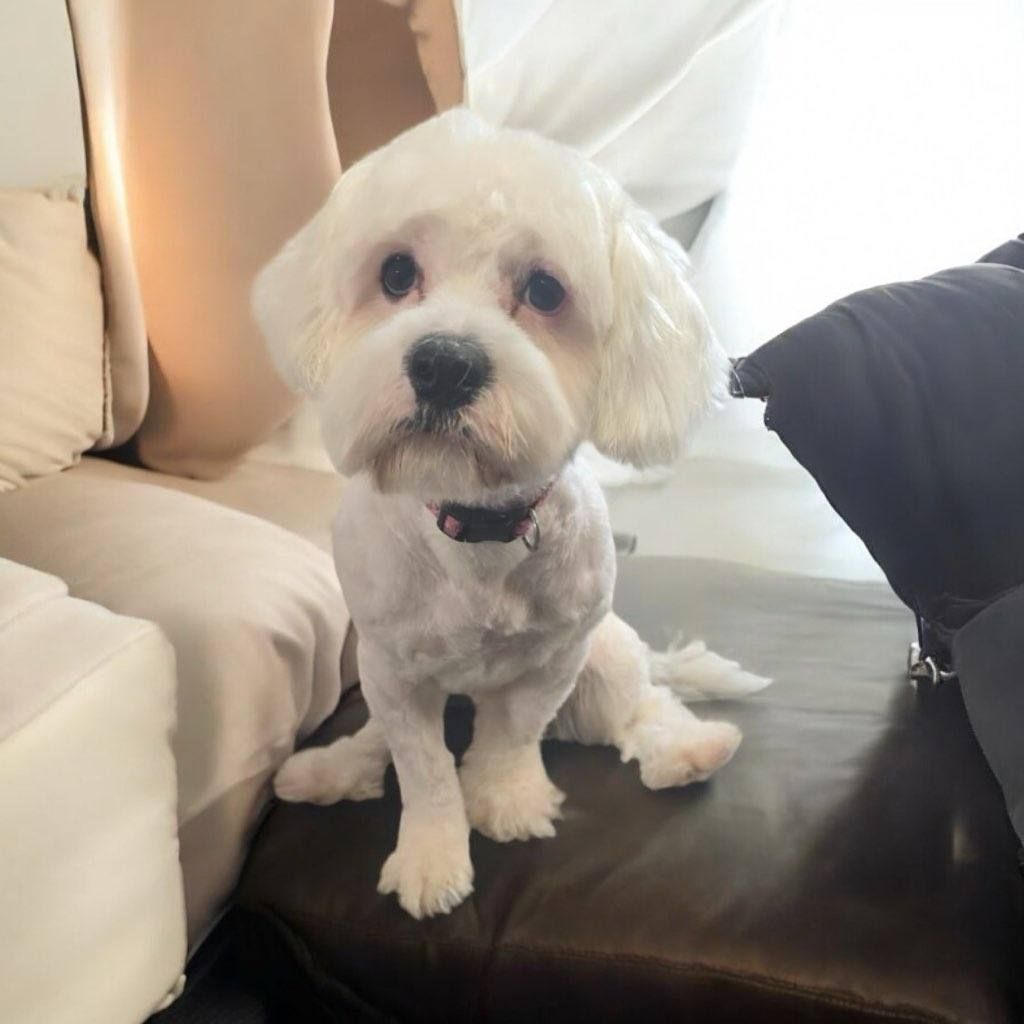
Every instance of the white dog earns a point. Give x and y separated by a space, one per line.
468 307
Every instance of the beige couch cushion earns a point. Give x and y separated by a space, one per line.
256 618
301 500
51 336
40 106
90 884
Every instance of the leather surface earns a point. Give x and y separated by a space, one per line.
854 862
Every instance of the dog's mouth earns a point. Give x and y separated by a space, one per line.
429 420
439 443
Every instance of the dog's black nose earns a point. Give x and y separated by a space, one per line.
447 371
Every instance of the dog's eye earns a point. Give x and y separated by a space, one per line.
398 275
544 293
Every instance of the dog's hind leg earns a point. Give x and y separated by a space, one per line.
617 702
351 768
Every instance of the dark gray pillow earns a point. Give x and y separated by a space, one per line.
906 403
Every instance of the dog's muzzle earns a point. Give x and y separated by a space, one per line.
447 371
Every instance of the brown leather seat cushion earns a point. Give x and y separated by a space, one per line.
853 863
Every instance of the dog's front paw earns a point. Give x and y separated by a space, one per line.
430 869
690 757
325 775
506 801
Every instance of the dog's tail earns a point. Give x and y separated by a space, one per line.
696 673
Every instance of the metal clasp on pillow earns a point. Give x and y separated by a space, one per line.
925 672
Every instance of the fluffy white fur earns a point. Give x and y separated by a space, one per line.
628 363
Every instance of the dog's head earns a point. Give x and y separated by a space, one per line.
470 304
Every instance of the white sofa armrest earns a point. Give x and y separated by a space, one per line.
92 919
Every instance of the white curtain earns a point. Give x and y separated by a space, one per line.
656 91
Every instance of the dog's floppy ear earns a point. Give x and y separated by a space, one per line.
284 302
295 297
660 366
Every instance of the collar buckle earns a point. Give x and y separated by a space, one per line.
531 539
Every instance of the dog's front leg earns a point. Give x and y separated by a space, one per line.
507 791
429 869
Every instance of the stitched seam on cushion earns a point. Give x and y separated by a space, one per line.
146 630
692 968
33 605
85 674
106 438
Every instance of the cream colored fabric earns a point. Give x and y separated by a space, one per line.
214 846
46 642
90 884
214 117
22 592
100 51
40 108
253 611
300 498
657 93
302 501
51 336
